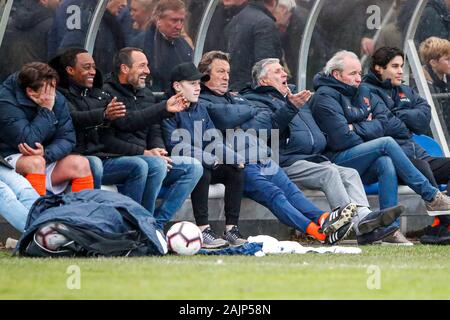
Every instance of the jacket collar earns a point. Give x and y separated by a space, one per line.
264 90
20 94
259 6
323 80
432 77
373 79
206 90
125 89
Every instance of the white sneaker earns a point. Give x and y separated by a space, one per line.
439 205
11 243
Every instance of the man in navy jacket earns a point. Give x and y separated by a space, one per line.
232 111
407 113
302 144
163 43
37 134
336 107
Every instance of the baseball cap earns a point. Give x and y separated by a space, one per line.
187 71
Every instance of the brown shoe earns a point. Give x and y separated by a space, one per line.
397 239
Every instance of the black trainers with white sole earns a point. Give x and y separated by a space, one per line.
339 235
338 218
380 218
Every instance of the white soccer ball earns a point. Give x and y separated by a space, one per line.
48 236
184 238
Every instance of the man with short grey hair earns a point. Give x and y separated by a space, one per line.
302 144
355 125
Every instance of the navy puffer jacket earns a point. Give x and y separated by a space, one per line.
232 111
406 106
23 121
300 137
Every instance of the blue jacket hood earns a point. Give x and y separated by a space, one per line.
323 80
372 78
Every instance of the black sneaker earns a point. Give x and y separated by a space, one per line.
381 218
212 241
376 235
436 235
233 237
338 218
340 234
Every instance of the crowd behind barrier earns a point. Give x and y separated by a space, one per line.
110 91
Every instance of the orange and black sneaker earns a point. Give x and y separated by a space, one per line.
331 222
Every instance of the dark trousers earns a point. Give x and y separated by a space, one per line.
233 180
435 169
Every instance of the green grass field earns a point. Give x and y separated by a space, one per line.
419 272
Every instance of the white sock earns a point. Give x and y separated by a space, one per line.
361 214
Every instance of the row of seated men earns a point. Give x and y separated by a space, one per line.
66 124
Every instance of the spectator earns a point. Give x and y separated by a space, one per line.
435 55
409 113
92 110
272 189
185 80
435 21
142 12
302 143
163 43
139 134
252 35
26 37
353 131
37 134
71 25
225 11
16 196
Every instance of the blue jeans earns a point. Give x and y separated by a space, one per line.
382 160
179 183
16 198
280 195
139 177
96 165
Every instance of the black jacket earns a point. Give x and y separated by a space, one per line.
435 21
87 108
215 38
252 36
140 129
300 136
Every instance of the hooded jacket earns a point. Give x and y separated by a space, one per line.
405 105
300 137
232 111
108 214
192 133
23 121
336 105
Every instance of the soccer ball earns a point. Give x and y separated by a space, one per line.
184 238
49 237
